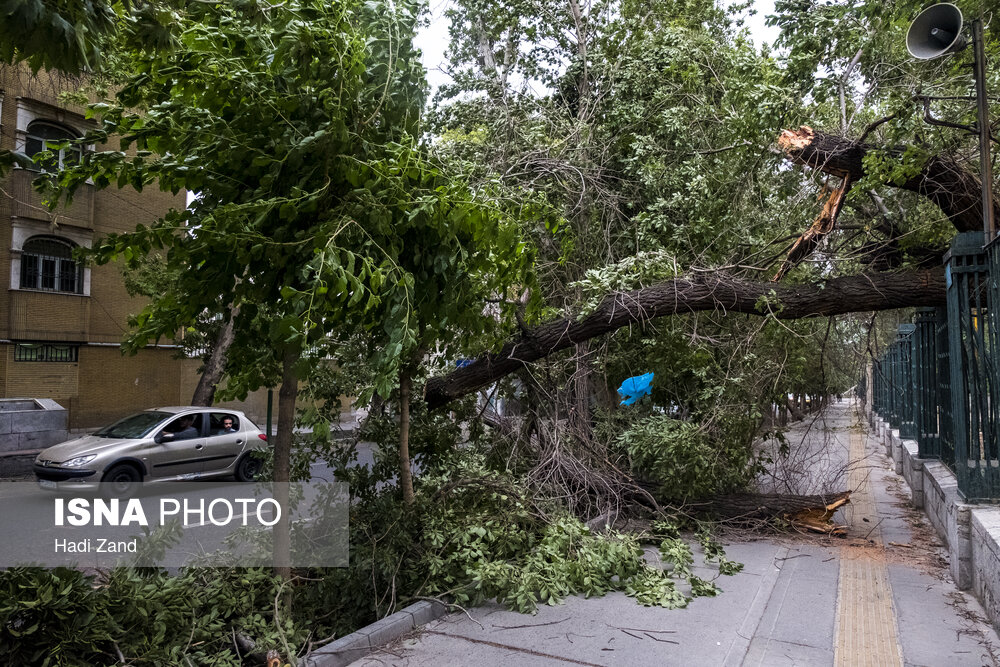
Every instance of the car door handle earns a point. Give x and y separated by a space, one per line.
199 446
239 442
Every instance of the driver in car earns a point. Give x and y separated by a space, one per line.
187 430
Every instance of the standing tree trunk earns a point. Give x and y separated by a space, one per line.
204 393
405 474
580 390
287 395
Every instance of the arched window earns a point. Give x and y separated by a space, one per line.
43 135
47 264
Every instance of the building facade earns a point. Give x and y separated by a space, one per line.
61 324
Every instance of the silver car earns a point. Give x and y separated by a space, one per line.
161 444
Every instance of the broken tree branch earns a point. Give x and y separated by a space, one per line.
824 223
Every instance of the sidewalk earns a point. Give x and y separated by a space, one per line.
881 596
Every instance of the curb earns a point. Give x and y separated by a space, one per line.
20 462
360 643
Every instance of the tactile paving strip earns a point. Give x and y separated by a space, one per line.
866 620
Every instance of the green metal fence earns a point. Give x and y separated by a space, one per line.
938 382
904 376
878 386
895 372
925 382
946 429
891 376
911 385
973 378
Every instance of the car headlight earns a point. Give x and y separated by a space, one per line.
79 461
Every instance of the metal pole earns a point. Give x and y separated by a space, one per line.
983 125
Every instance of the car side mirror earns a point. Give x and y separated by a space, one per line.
160 437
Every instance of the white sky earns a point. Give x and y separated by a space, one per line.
433 40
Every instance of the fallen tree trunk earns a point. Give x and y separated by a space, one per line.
955 190
811 513
716 291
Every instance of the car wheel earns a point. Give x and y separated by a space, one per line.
248 468
121 481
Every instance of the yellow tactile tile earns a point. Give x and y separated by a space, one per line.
866 619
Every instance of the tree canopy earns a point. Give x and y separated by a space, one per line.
603 190
584 153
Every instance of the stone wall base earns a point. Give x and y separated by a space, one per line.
970 532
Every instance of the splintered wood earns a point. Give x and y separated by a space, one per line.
795 139
809 513
818 519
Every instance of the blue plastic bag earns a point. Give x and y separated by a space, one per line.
635 388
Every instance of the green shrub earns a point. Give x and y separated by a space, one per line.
65 617
51 617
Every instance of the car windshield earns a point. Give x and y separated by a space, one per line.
137 426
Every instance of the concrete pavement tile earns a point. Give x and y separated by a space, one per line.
931 630
579 629
896 530
757 556
803 608
751 622
439 651
705 632
773 653
893 519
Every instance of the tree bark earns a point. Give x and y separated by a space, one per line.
580 392
955 190
211 375
716 291
405 474
287 395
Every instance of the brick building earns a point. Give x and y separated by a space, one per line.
61 324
